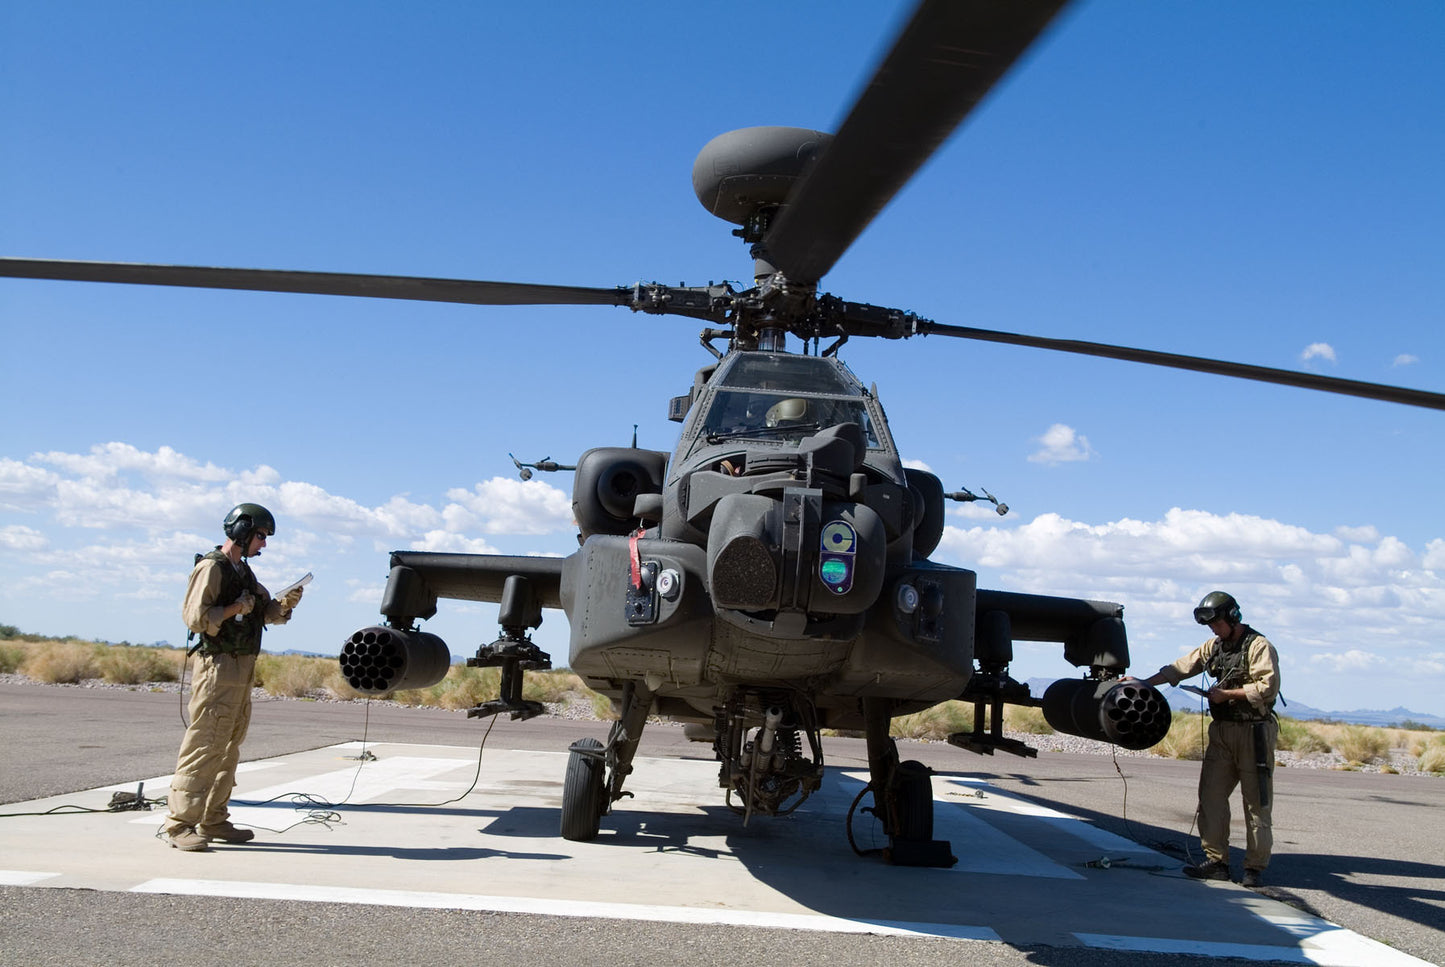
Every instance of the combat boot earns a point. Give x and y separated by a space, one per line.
187 839
226 833
1254 878
1212 870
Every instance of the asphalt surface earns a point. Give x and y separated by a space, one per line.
1361 850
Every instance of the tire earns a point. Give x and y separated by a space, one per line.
914 801
582 792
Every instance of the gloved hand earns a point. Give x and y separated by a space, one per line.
291 598
246 602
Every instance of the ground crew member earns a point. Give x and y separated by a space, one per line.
1245 669
227 607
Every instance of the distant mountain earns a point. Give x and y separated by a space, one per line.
1183 701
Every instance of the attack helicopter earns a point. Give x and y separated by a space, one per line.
770 578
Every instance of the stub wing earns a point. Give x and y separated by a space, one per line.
428 575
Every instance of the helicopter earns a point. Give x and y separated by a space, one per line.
770 578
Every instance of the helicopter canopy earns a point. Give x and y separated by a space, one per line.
778 396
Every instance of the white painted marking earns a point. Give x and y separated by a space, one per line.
1336 948
366 782
561 908
985 849
1109 843
22 877
1332 944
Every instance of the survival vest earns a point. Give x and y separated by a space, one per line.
240 635
1230 668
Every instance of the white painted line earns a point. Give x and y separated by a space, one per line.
1336 948
22 877
1329 943
962 791
561 908
356 784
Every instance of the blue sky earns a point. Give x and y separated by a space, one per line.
1252 181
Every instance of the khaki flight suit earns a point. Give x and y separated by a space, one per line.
220 707
1229 758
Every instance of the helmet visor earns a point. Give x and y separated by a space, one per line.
1205 615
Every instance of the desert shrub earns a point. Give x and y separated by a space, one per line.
552 686
1433 758
1188 735
463 687
12 656
936 723
65 661
1298 737
293 676
602 707
1021 718
133 666
1359 743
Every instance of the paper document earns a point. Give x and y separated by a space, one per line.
305 580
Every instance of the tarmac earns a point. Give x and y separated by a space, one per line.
442 827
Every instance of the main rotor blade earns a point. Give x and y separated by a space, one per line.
318 283
1198 364
948 57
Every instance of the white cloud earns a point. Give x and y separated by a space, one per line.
917 465
1363 535
1318 350
1405 359
16 537
505 506
1352 660
121 524
1062 444
1368 604
107 460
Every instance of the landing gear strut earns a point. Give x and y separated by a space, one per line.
902 796
596 772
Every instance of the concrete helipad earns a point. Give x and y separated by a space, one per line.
401 829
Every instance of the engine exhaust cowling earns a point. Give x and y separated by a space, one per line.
1130 714
378 660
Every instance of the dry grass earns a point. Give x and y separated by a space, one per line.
298 676
62 662
12 656
934 724
135 665
1432 756
1020 718
1188 735
1296 736
1361 744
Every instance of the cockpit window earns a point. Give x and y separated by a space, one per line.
805 375
776 415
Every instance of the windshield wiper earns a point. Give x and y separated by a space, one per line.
758 431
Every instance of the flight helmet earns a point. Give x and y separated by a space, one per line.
244 520
1217 604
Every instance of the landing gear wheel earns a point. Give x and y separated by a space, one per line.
583 797
914 801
